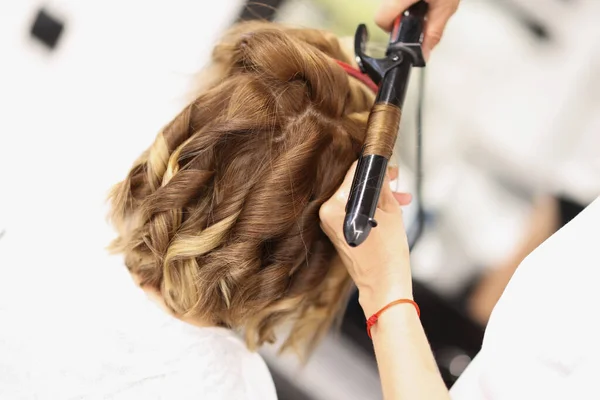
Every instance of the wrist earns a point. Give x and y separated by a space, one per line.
400 318
372 299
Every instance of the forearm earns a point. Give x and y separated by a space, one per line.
406 364
380 268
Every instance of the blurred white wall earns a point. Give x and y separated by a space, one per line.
507 117
72 122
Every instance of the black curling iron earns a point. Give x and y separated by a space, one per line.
391 74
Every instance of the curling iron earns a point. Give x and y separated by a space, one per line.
391 74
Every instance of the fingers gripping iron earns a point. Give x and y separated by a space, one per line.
391 74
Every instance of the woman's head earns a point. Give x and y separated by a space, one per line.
220 214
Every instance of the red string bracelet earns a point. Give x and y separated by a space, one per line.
373 319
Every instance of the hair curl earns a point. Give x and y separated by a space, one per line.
220 214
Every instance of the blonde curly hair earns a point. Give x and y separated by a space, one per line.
220 214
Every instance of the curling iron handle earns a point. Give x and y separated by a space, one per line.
363 199
382 129
408 27
407 33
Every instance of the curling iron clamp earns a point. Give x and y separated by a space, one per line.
391 74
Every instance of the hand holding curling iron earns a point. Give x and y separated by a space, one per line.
380 267
438 15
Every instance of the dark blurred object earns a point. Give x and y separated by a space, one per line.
286 390
538 30
568 210
454 338
261 10
531 23
47 28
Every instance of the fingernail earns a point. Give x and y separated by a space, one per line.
426 53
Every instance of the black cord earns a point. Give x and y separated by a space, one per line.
420 223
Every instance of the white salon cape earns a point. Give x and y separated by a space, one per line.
543 338
73 326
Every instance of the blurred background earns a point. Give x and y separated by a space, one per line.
511 146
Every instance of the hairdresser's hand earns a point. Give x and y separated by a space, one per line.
380 266
439 13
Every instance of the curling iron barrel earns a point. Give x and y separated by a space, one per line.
392 75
